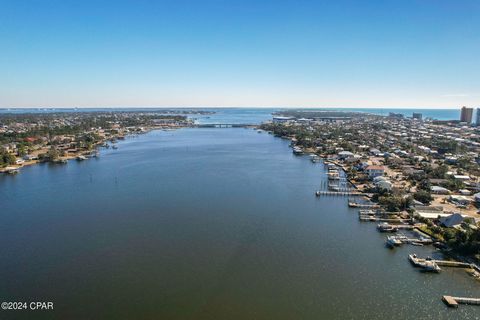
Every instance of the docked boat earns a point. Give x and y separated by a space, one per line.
333 175
11 170
317 193
416 244
427 265
60 161
297 150
385 227
366 212
81 158
393 241
334 188
352 204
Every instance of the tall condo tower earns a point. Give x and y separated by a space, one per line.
466 115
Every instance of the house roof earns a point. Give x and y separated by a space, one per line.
439 189
452 220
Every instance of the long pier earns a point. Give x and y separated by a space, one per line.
338 193
453 302
225 125
354 204
452 264
377 219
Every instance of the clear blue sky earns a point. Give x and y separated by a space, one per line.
401 53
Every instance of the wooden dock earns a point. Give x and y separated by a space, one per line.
339 193
403 226
379 219
378 213
453 264
354 204
453 302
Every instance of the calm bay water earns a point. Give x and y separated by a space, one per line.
204 224
256 115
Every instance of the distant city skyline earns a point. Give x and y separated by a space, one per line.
281 54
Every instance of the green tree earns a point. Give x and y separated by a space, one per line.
53 154
423 196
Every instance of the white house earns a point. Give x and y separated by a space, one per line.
345 155
439 190
461 177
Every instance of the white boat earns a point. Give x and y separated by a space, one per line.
81 158
60 161
385 227
333 175
297 150
427 265
393 241
11 170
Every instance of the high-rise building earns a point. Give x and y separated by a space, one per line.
478 117
466 115
417 115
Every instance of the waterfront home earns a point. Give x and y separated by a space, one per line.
30 157
374 171
476 197
459 200
452 220
461 177
344 155
439 190
430 212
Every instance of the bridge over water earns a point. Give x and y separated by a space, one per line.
225 125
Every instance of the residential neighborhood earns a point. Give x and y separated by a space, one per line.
426 170
30 138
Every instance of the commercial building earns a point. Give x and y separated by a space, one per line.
417 115
466 115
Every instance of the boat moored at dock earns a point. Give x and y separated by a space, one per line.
297 150
393 241
428 264
386 227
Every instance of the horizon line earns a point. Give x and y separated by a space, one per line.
236 107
